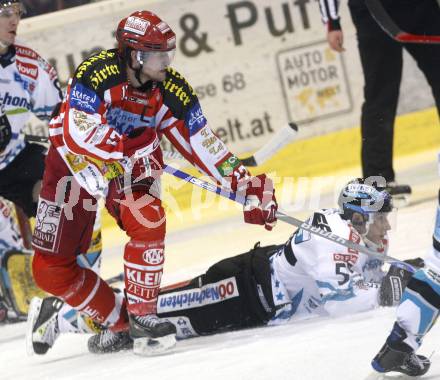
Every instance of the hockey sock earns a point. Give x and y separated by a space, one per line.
143 267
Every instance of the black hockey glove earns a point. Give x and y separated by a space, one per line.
417 263
392 286
5 131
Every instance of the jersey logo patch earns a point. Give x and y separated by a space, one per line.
83 99
47 225
195 120
26 52
27 69
136 25
198 297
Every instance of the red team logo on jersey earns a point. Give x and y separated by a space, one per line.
27 69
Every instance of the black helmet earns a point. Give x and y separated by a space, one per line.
364 197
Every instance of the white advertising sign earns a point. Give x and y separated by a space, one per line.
255 64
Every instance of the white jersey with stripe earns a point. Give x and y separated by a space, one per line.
314 276
28 84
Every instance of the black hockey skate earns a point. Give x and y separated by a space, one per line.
400 193
108 341
389 360
42 324
151 335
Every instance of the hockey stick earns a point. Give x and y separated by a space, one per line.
389 26
280 215
118 278
37 139
24 226
289 219
283 137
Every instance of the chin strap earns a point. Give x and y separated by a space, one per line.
143 85
137 72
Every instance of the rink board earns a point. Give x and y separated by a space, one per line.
255 65
313 158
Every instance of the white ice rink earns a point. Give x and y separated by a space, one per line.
313 349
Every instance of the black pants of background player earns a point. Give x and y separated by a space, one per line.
381 59
251 308
18 179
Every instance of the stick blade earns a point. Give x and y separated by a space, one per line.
293 126
249 161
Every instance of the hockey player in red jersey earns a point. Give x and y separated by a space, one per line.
105 143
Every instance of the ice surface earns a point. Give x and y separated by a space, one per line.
320 348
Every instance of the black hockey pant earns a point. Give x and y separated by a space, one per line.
234 293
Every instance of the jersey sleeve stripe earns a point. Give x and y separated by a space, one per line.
181 141
166 123
160 115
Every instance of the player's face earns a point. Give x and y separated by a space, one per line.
378 227
155 64
9 19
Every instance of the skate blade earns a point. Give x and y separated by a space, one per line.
401 200
34 310
390 376
151 347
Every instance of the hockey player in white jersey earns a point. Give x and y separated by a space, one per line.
10 239
307 276
28 85
416 315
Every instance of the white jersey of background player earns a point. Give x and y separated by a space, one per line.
317 276
9 233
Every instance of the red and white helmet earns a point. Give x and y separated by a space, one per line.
145 31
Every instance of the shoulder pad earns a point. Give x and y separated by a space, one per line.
178 95
100 71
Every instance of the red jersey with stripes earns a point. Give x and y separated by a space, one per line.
101 109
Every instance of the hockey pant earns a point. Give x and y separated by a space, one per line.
64 227
69 319
419 307
234 293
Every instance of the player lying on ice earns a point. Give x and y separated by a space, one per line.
306 276
105 144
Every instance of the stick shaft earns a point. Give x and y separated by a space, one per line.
389 26
288 219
